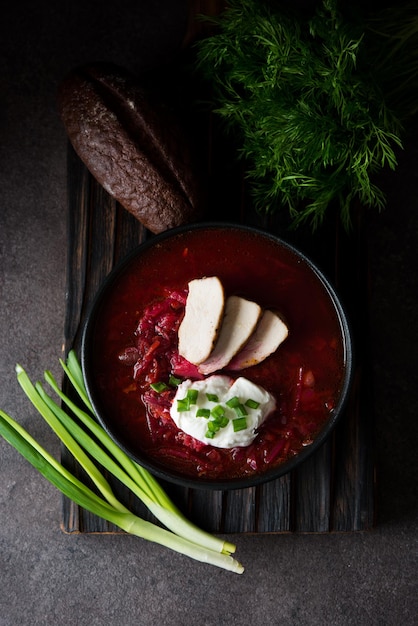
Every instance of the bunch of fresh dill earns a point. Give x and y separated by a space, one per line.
306 102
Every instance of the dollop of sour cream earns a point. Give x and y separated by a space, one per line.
236 408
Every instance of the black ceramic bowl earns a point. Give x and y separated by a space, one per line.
309 374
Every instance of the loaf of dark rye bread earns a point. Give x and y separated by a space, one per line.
134 147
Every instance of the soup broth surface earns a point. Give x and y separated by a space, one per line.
305 374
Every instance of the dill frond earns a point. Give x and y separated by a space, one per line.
307 103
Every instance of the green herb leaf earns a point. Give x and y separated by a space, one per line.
174 381
159 387
240 410
192 395
252 404
183 405
218 411
299 93
239 423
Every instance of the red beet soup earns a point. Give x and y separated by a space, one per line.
130 342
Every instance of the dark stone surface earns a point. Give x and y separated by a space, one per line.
47 577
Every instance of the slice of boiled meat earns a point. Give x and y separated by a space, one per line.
269 334
202 319
240 319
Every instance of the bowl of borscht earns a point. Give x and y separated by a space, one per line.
217 356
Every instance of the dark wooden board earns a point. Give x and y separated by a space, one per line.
334 490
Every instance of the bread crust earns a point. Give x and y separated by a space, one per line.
133 146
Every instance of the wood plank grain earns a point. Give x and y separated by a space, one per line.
312 492
274 508
240 511
334 489
207 509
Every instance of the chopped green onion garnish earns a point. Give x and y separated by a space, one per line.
158 387
221 421
233 402
240 410
239 423
203 413
173 381
212 397
210 434
213 427
192 395
218 411
183 405
252 404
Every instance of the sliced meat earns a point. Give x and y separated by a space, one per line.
269 334
202 319
240 319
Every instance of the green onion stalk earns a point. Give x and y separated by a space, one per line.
93 448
